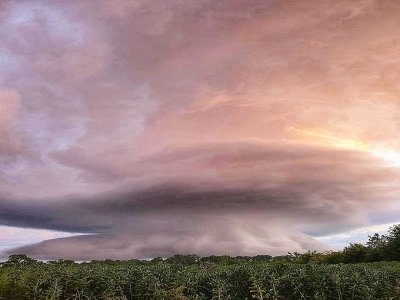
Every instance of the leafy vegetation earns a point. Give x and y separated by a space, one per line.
346 274
242 279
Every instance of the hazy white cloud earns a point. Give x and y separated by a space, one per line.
12 237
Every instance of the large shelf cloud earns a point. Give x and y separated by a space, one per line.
230 127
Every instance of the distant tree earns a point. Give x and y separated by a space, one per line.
333 257
62 262
376 245
304 258
392 248
264 257
157 260
376 241
20 259
220 259
354 253
183 259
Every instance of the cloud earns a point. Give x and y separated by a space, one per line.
239 198
10 143
155 124
210 240
13 237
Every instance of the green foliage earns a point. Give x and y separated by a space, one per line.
183 259
354 253
392 245
244 279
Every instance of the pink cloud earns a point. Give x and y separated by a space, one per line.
209 96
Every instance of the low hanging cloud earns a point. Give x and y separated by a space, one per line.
244 198
169 126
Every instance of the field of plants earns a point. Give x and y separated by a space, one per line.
22 278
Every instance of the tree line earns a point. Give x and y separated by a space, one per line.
385 247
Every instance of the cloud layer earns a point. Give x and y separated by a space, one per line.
162 127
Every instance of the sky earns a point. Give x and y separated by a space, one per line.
136 129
